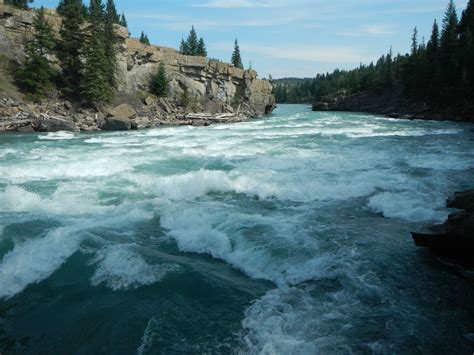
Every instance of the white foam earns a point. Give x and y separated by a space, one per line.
54 136
8 151
119 267
454 161
215 231
18 199
35 260
55 166
410 206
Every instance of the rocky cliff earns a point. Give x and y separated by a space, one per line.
209 86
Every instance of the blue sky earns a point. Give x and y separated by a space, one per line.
286 37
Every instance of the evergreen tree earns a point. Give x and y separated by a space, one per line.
388 72
236 58
433 44
193 46
110 41
71 46
21 4
160 82
62 5
466 28
414 41
36 75
144 39
96 87
201 48
123 21
449 48
184 48
192 42
111 12
450 24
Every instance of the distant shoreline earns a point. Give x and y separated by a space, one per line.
393 104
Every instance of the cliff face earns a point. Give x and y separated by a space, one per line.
210 86
217 87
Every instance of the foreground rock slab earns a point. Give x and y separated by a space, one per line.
455 238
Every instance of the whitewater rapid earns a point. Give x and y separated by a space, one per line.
313 210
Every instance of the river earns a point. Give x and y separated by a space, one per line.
286 235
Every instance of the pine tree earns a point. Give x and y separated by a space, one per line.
111 12
466 28
36 75
96 87
160 82
62 5
433 44
192 42
144 39
236 58
388 72
449 49
110 41
21 4
201 48
450 25
184 48
467 18
123 21
414 41
71 46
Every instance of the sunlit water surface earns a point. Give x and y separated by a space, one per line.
288 235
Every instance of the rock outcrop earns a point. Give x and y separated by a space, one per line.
455 238
197 84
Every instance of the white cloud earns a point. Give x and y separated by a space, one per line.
183 24
243 4
372 30
378 30
326 54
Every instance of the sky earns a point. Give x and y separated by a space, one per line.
286 38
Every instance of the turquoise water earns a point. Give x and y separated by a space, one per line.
288 235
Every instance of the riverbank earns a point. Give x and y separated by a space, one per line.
391 102
62 116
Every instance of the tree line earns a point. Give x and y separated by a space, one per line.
441 69
194 47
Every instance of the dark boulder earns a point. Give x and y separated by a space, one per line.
55 124
453 239
321 106
462 200
118 124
